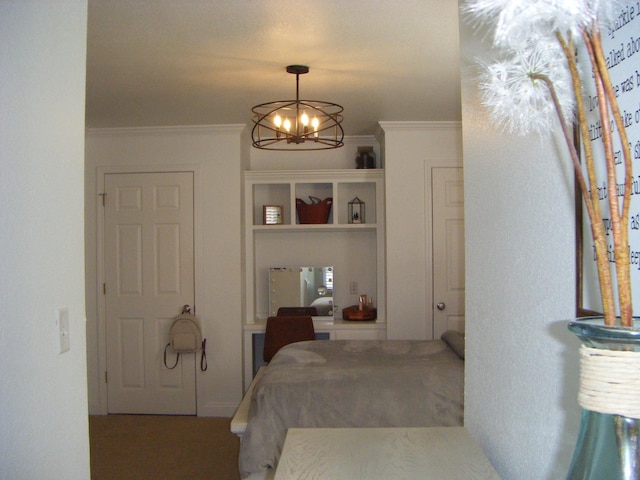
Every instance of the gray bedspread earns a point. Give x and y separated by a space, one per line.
366 383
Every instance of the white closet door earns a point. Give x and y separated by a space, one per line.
448 250
149 276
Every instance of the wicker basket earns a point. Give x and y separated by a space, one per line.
315 212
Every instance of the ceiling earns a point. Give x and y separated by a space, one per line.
197 62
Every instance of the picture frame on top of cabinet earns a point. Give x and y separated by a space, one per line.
272 214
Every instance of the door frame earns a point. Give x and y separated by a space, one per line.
100 273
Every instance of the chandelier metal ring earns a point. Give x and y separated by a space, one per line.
305 124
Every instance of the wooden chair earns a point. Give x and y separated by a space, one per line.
297 312
281 331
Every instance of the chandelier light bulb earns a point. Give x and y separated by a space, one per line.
277 121
304 119
287 124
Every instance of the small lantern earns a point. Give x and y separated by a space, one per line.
356 211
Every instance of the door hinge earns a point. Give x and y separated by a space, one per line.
106 377
104 196
104 288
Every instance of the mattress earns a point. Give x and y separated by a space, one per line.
345 383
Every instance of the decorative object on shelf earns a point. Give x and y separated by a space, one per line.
305 124
272 214
537 72
355 314
363 302
366 158
607 445
356 211
363 311
315 212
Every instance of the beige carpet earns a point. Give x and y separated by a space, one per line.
150 447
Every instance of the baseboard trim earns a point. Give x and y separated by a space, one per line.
217 409
96 408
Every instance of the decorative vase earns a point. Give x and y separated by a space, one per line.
608 441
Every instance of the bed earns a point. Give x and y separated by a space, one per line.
347 383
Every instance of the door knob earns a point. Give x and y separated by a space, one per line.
441 306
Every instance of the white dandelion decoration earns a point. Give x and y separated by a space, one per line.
535 83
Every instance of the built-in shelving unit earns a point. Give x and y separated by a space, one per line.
356 251
261 192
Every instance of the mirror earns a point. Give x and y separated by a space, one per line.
301 287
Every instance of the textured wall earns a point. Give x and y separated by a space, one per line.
521 375
43 394
213 152
412 150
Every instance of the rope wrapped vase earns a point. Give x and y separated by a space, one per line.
610 381
608 444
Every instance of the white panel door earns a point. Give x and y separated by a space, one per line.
448 250
149 276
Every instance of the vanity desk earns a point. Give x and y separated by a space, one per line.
327 328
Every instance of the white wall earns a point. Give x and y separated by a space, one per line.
43 399
521 362
412 150
216 155
219 155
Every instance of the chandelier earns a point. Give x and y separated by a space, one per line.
302 124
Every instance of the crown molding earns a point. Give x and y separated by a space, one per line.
166 130
409 125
